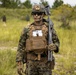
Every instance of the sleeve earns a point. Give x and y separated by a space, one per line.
55 41
21 46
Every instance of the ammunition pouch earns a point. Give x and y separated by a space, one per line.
35 44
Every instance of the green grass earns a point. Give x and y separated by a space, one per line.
66 61
7 62
10 34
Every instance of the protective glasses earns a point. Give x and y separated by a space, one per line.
37 13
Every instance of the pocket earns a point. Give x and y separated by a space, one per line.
28 45
38 44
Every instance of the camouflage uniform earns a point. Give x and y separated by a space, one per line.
34 66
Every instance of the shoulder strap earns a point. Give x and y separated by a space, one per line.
33 26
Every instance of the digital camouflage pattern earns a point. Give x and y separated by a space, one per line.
35 67
38 68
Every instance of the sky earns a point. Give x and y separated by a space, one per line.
71 2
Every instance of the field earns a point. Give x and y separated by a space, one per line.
10 34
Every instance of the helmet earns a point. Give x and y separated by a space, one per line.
38 8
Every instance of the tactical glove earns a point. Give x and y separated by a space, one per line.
20 68
52 47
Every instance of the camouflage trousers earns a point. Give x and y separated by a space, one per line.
38 68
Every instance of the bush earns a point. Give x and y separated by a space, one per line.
14 13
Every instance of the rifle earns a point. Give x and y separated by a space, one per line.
50 29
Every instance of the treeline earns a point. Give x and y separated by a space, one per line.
15 8
15 4
26 4
59 11
14 13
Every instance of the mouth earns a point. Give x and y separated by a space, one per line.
37 17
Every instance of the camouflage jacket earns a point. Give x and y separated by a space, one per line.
21 46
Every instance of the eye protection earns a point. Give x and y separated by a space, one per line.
37 13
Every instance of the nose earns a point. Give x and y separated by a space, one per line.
36 15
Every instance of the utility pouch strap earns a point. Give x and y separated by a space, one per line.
39 56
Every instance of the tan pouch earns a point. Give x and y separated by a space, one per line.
28 45
36 43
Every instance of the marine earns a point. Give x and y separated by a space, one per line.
33 46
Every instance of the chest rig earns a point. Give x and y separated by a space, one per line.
37 41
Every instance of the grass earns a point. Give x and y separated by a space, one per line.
9 34
65 59
7 62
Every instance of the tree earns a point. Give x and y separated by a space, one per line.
74 13
5 3
10 3
15 3
64 14
57 3
44 2
27 4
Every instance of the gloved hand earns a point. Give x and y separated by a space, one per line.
20 68
52 47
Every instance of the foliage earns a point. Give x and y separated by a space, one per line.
5 3
10 3
74 13
14 13
27 4
15 3
7 62
57 3
44 2
10 34
9 37
64 14
65 59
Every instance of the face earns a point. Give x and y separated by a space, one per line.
38 16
